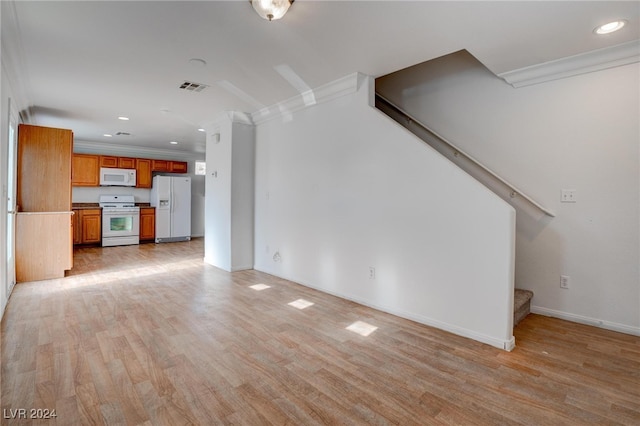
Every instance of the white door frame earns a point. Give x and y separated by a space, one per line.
11 193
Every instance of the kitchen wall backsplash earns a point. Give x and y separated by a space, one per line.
91 194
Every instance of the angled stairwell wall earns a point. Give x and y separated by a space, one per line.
580 132
342 188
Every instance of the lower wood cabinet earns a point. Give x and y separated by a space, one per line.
87 226
75 227
147 223
43 245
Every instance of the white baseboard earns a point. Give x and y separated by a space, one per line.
506 345
613 326
241 268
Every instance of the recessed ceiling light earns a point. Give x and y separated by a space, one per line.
107 135
201 130
173 143
123 118
610 27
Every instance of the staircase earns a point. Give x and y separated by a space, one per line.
521 305
522 298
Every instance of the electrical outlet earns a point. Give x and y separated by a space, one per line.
564 281
568 196
372 273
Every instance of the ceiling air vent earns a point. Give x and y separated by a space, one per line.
123 134
193 87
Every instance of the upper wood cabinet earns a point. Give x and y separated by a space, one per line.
143 173
178 167
44 169
108 161
126 163
169 166
117 162
160 165
85 170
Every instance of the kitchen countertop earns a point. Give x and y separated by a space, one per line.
78 206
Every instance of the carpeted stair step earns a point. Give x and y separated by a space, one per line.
521 305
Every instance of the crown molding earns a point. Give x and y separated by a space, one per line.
88 147
13 62
595 60
335 89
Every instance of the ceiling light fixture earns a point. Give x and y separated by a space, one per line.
107 135
271 9
197 62
173 143
610 27
123 118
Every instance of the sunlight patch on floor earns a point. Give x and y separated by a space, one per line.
259 287
362 328
300 304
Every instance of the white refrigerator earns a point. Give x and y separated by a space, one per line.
171 196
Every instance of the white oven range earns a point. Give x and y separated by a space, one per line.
120 220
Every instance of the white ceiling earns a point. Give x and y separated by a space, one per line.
82 64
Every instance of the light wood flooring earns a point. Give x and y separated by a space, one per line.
151 335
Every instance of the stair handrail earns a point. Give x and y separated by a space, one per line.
515 191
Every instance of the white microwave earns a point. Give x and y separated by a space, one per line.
117 177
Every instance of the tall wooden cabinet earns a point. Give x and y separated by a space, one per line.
44 169
44 233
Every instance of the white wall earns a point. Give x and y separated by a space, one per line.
341 188
580 133
229 204
10 90
4 100
217 238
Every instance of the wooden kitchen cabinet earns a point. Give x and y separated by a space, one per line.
159 165
126 163
44 169
87 226
85 170
147 223
177 167
75 226
143 173
117 162
44 247
108 161
169 166
91 224
44 233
